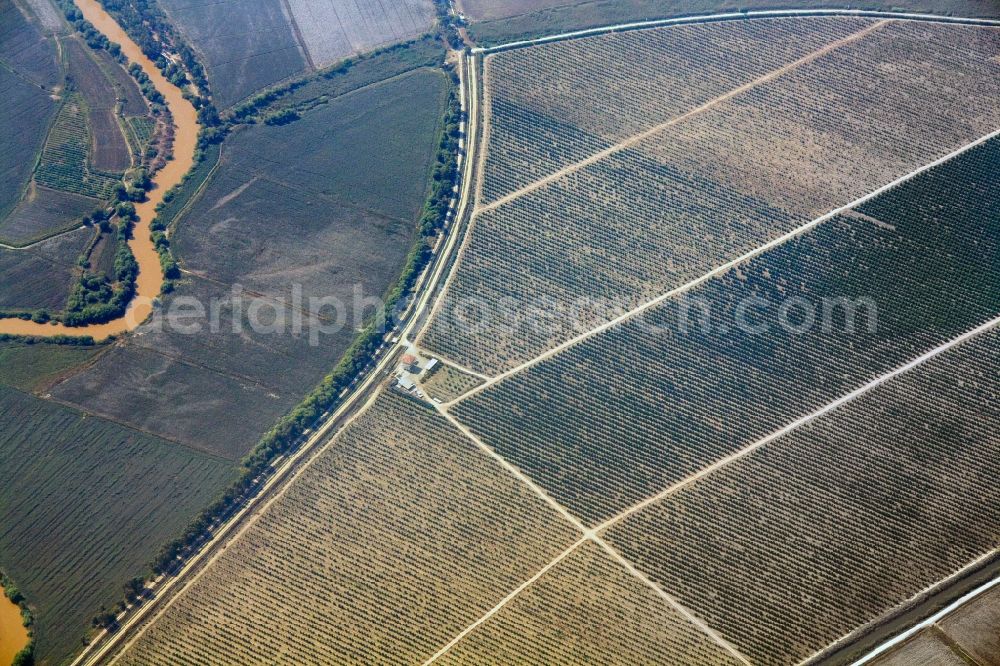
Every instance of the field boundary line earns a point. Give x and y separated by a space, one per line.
706 106
449 361
514 471
733 16
503 602
676 605
719 270
909 633
798 423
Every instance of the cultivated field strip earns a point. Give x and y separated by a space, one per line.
398 536
838 127
608 234
564 259
558 104
245 45
587 609
334 29
834 525
633 409
447 383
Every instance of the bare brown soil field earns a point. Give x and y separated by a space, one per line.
588 609
395 538
925 649
975 628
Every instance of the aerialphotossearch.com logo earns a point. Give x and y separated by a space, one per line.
317 317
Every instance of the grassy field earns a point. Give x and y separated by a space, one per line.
511 20
447 383
43 212
399 535
588 610
33 368
328 202
86 502
848 516
704 188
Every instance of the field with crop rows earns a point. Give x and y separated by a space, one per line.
109 151
447 383
329 202
245 45
552 105
335 29
588 610
633 409
501 21
40 276
63 164
400 534
833 525
28 70
712 183
83 499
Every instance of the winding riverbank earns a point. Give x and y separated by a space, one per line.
150 278
13 634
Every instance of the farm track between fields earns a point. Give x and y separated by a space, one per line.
367 389
712 103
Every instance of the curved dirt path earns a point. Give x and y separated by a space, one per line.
150 278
